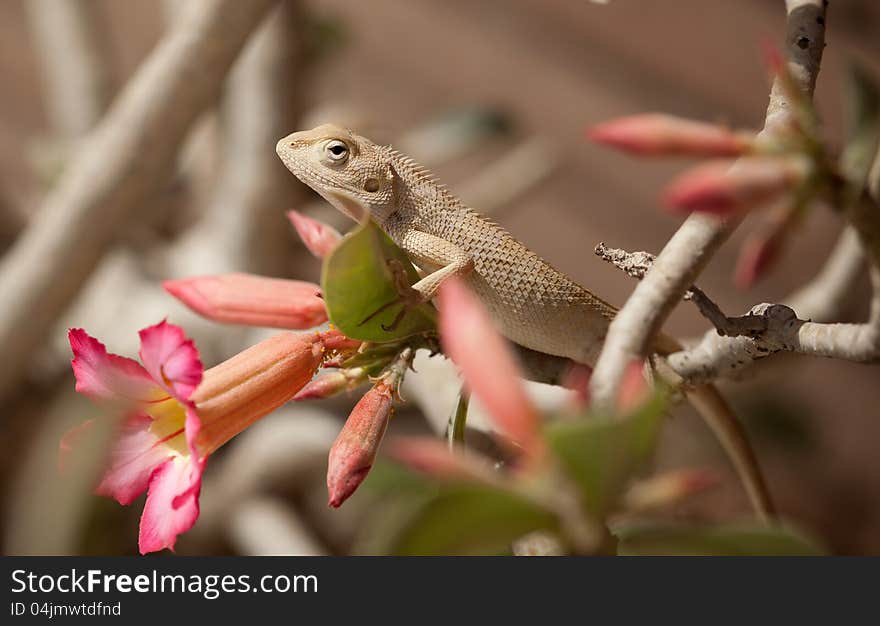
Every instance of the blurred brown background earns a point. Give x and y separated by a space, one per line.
388 67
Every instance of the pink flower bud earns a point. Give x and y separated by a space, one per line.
434 458
252 300
722 188
354 450
489 368
318 237
758 254
634 389
667 135
668 488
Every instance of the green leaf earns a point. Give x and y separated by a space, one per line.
601 454
358 280
863 133
462 519
666 538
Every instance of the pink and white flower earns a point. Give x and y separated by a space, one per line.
174 414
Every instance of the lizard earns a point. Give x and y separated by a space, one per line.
531 302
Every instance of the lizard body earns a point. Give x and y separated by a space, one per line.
531 302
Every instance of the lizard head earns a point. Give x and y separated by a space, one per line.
347 170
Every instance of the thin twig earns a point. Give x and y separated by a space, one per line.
697 240
129 154
637 264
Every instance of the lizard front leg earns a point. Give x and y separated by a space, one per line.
426 250
429 250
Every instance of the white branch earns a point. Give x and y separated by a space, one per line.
687 252
128 155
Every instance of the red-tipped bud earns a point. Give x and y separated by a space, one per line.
354 450
667 489
758 254
434 458
330 384
252 300
634 388
773 58
658 134
577 379
318 237
722 188
489 369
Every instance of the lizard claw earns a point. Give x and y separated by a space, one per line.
408 297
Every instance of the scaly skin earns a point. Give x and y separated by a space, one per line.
532 303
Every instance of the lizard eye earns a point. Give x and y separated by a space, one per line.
336 151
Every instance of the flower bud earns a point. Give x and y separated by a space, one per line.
252 300
354 450
722 188
318 237
657 134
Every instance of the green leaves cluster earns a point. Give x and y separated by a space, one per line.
599 456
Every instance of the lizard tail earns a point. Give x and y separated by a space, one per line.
721 420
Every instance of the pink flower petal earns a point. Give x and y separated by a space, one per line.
135 455
172 505
108 377
318 237
171 359
487 364
252 300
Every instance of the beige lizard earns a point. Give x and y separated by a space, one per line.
531 302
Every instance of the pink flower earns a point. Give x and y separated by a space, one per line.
723 188
174 414
155 448
318 237
667 135
252 300
469 338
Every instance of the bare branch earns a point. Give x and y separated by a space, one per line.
697 240
129 154
716 355
72 50
244 227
